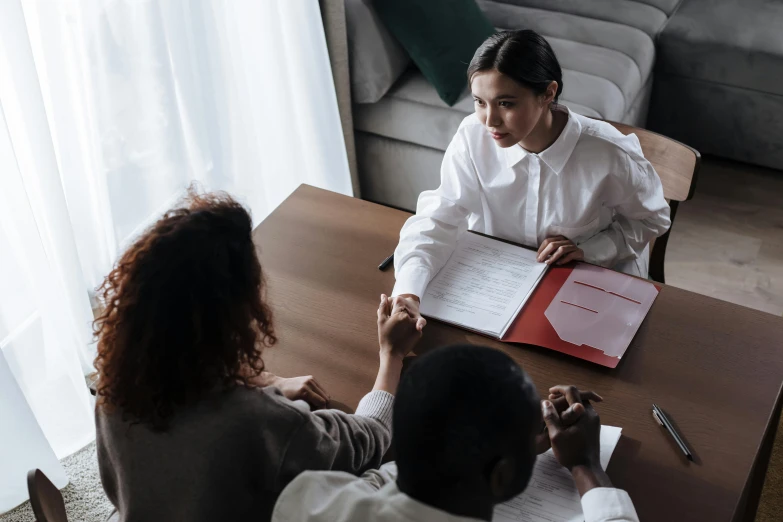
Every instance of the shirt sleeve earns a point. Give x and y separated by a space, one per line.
313 495
608 505
428 238
321 495
334 440
375 479
641 214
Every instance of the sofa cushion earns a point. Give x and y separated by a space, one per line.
667 6
605 67
648 18
628 40
440 36
730 42
376 59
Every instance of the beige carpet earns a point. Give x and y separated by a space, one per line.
84 498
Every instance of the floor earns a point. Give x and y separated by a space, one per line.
728 243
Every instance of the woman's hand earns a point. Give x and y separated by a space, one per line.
302 388
411 303
398 330
559 250
294 388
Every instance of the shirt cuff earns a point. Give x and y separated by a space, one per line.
608 504
412 280
599 249
377 405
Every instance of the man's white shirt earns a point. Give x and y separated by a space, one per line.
335 496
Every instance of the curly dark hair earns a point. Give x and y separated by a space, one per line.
184 312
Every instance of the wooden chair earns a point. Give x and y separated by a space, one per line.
677 165
46 500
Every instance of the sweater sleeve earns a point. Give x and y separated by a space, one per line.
334 440
378 478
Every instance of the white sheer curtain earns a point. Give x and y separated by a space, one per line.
109 109
146 95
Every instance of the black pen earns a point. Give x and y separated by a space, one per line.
386 262
664 421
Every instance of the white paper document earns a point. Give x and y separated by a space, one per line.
484 285
551 495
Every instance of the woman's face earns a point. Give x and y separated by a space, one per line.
508 110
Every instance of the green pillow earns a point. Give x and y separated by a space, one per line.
440 36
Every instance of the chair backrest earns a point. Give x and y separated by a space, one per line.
677 165
46 500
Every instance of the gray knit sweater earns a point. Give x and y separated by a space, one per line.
229 456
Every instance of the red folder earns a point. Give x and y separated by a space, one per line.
532 327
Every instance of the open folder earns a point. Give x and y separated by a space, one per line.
499 289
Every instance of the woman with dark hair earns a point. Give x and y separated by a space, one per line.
189 425
527 169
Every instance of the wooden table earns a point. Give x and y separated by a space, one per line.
715 368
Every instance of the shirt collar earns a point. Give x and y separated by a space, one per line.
558 153
417 511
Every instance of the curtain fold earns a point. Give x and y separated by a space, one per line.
109 110
45 314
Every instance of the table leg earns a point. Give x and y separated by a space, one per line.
749 503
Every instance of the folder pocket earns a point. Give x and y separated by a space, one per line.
600 308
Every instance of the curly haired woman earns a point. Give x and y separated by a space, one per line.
189 425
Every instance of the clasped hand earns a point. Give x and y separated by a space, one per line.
398 332
572 427
399 326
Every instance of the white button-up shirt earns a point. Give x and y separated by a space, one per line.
334 496
592 185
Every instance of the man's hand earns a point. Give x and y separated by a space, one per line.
410 303
577 443
569 413
559 250
397 328
299 388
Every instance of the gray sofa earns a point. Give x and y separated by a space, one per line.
607 49
719 79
